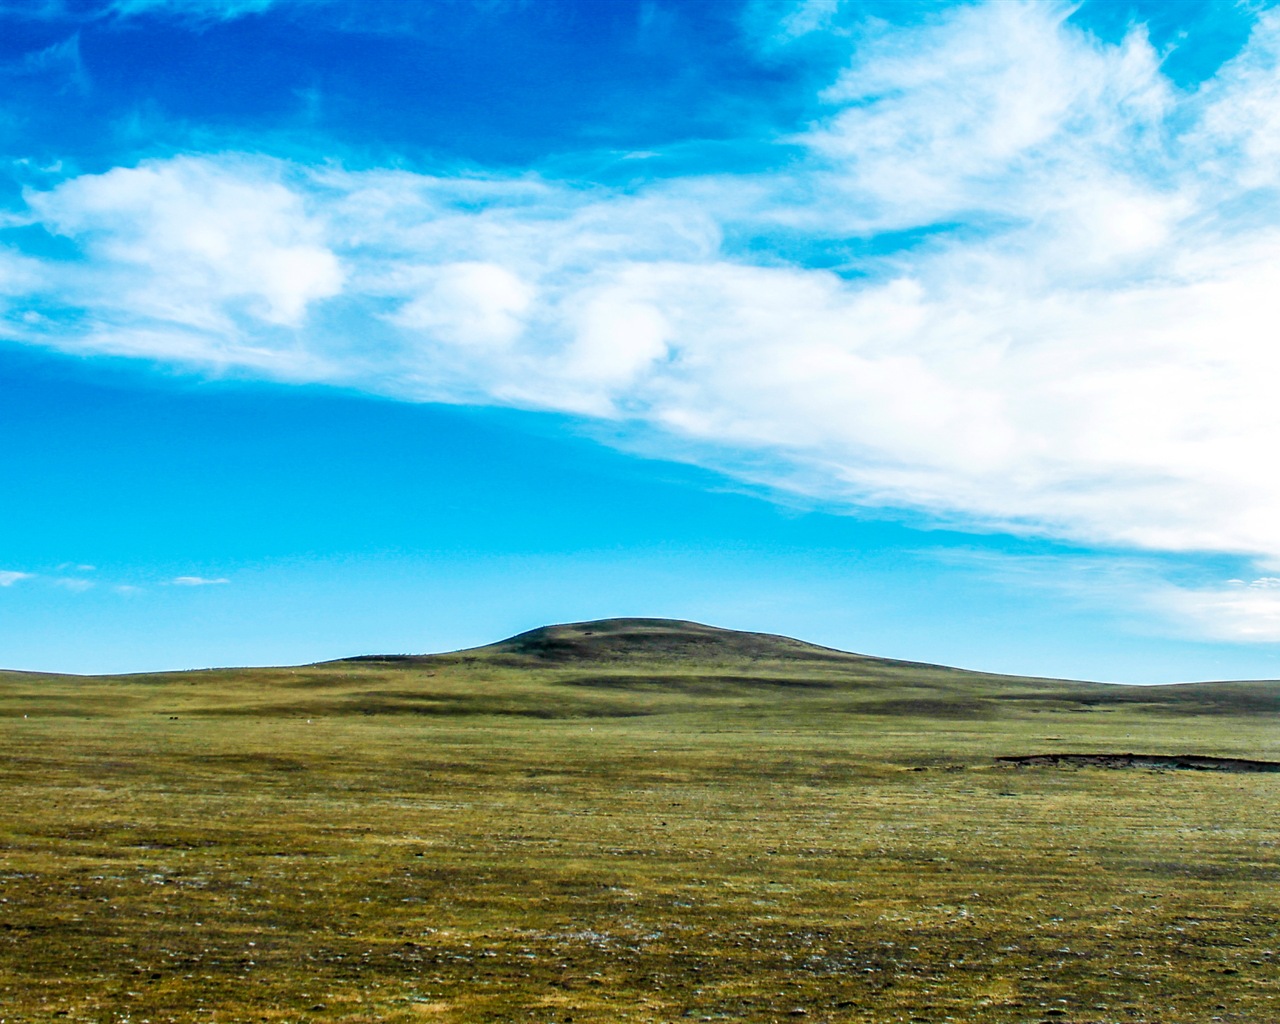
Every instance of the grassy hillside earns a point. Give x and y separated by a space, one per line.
615 668
632 820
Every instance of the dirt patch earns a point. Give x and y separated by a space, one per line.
1184 762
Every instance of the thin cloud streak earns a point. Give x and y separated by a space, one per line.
193 10
1234 611
1140 590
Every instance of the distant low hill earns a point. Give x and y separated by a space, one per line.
639 638
619 668
660 638
668 640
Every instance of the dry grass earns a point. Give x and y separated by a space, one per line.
618 838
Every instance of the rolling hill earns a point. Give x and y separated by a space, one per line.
616 667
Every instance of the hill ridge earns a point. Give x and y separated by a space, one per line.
643 637
640 636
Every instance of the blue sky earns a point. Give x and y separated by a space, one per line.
937 331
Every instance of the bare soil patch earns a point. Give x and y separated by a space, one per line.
1184 762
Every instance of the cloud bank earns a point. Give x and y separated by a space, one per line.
1013 278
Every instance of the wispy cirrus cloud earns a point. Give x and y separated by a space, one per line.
60 60
1234 610
192 10
1154 595
197 581
1057 318
8 577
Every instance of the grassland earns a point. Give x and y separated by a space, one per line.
631 821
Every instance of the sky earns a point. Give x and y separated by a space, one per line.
938 331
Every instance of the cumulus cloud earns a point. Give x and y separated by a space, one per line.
193 243
1062 323
197 581
467 303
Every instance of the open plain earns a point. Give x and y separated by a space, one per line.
635 820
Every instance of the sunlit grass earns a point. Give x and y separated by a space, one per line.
493 840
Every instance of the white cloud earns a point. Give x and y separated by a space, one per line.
73 583
616 336
467 303
195 243
998 109
9 577
197 581
20 277
1239 129
1235 612
1081 344
1148 592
